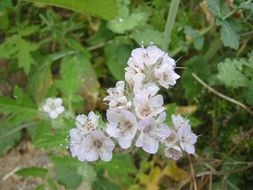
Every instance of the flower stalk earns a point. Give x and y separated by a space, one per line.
169 23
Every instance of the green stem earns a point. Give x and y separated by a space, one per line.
169 23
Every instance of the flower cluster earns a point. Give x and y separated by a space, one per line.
136 114
89 143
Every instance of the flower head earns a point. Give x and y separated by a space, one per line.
53 107
122 126
87 124
98 145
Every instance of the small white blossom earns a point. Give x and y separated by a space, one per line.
174 152
152 132
172 138
53 107
147 105
122 126
179 121
98 145
87 124
187 138
77 147
166 75
117 98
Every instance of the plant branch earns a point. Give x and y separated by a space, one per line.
243 106
192 173
169 23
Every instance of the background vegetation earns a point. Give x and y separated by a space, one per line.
48 51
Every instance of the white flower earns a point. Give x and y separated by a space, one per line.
98 145
145 57
118 91
172 138
133 77
174 152
122 126
152 131
187 138
166 75
147 105
53 107
87 124
117 98
178 121
77 147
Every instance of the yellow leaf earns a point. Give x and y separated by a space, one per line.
174 172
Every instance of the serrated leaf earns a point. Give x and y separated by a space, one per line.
21 109
194 35
103 9
148 36
214 6
33 172
199 66
230 73
229 36
117 55
102 183
125 21
247 5
70 172
18 48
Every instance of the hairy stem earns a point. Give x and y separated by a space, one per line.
169 23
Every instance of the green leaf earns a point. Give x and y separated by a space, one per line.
21 108
248 94
103 9
102 183
197 39
247 5
70 83
199 66
32 172
229 36
7 139
39 82
70 172
125 21
18 48
230 73
214 6
147 36
117 54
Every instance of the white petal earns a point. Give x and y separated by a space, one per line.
150 144
53 114
94 118
112 130
139 142
112 116
105 155
57 102
189 148
108 144
91 154
157 100
46 108
60 109
125 143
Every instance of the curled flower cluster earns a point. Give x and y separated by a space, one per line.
136 114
